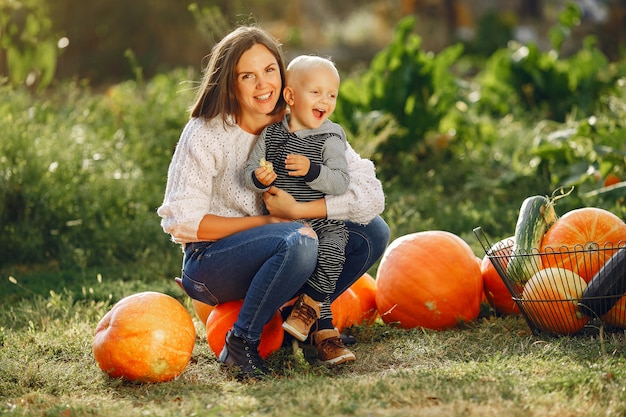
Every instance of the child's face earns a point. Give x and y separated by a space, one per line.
312 98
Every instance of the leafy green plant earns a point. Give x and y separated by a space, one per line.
28 43
414 86
547 83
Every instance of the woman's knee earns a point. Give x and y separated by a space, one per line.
379 234
308 231
302 247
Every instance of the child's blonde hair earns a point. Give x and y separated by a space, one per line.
308 62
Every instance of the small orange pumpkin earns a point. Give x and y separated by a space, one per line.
202 310
145 337
429 279
496 292
581 232
365 290
223 317
616 316
611 179
550 300
346 310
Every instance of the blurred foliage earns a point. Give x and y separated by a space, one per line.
28 44
81 174
162 34
546 82
526 123
413 85
82 171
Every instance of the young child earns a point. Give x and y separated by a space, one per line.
304 154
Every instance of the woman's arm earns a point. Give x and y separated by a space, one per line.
364 199
214 227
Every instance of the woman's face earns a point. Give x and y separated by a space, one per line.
257 86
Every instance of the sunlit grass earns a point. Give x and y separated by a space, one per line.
490 367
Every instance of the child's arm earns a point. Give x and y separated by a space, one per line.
332 176
258 173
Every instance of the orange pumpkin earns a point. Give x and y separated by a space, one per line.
611 179
222 319
616 316
365 290
580 232
145 337
496 292
202 309
550 300
429 279
346 310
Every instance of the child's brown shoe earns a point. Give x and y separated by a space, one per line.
305 313
330 347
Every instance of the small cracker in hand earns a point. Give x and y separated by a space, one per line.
266 164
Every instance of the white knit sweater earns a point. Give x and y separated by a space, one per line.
205 176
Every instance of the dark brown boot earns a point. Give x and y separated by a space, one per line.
241 353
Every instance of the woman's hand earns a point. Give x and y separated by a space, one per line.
282 204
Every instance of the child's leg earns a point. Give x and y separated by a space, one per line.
314 302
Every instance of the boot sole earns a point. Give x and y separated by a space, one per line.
294 332
340 359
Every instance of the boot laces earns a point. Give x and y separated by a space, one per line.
304 312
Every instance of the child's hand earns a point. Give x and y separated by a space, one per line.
266 164
265 175
297 165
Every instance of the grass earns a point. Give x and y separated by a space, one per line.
488 368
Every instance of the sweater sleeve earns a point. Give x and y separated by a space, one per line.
364 198
188 186
333 176
258 152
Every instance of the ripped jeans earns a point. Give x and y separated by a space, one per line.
266 266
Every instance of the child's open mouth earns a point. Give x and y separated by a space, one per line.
318 113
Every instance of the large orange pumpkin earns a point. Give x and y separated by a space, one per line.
550 300
223 317
145 337
496 292
365 290
429 279
582 232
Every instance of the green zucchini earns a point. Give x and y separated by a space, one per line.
535 217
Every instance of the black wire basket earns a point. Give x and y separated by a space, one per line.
563 291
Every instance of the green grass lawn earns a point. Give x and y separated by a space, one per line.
492 367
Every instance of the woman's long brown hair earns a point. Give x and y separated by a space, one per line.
216 94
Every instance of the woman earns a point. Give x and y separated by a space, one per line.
231 250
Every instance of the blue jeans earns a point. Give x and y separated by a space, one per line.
266 266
